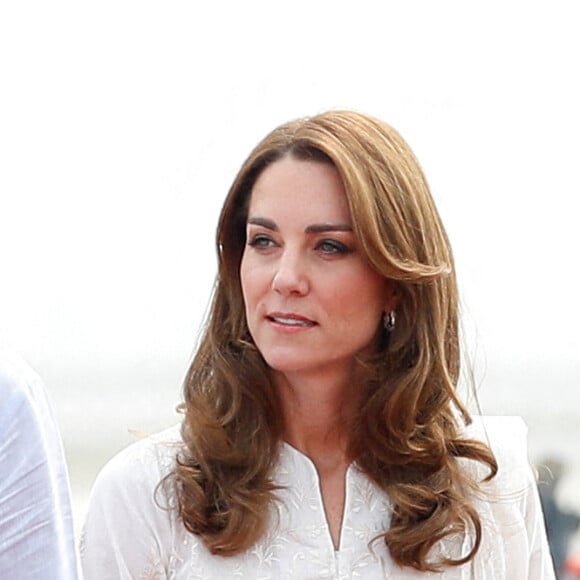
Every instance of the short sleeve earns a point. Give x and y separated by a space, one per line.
128 532
36 527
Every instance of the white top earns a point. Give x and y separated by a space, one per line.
36 530
129 533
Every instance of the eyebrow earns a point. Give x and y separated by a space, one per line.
311 229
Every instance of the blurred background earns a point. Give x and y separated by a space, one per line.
123 123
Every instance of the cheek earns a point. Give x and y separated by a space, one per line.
245 277
252 281
363 291
356 310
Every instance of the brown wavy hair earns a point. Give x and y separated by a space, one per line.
407 435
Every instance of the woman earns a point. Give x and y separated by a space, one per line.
322 436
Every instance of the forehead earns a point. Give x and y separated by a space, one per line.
311 189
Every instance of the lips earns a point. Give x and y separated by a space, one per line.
293 320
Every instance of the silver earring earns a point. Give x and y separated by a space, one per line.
389 320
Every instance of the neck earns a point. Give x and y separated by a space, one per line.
317 415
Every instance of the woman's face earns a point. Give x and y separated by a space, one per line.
312 299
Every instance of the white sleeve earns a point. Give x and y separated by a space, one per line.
36 528
517 487
128 532
541 567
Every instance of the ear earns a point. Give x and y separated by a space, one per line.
392 296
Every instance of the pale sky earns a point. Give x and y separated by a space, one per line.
122 125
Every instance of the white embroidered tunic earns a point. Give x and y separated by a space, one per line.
132 532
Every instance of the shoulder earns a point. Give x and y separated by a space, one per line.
507 438
496 428
130 522
143 463
26 416
19 384
134 481
504 434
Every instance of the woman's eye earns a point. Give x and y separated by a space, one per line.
260 241
332 247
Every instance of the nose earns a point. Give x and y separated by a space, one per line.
290 276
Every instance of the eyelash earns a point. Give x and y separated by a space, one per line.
334 246
260 241
328 247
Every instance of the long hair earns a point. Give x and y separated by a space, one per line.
407 434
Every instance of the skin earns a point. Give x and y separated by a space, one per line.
313 303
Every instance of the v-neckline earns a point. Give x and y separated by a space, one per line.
320 496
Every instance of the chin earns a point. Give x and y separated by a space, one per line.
286 364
